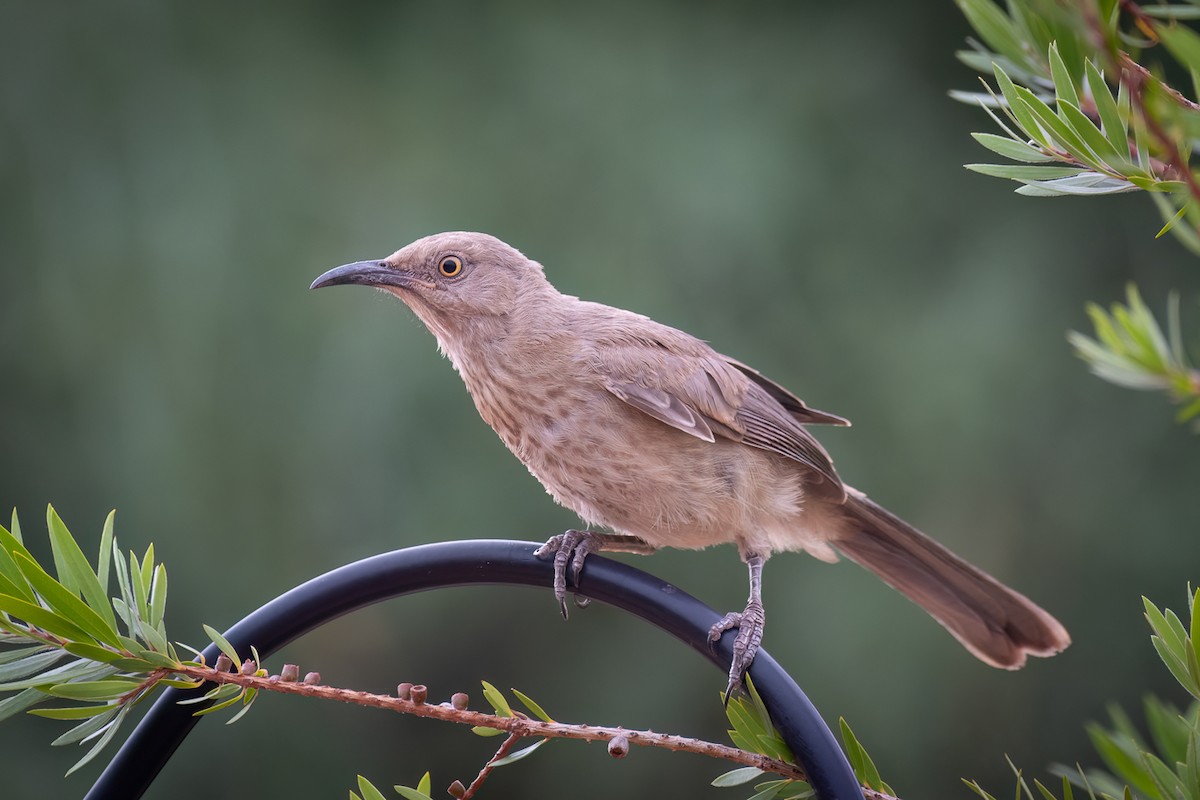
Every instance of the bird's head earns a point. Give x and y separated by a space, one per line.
457 283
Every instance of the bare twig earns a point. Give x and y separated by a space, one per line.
501 752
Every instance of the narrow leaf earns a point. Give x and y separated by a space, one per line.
86 729
533 707
1106 107
737 777
40 617
109 733
30 665
19 702
369 792
106 545
67 603
72 712
109 689
496 699
1011 148
1064 87
1021 173
516 756
479 730
74 571
222 643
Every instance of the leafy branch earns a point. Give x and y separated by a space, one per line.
1131 350
1167 765
120 654
1083 117
1056 66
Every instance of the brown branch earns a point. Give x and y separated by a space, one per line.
516 727
501 752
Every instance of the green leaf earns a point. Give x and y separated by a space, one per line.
106 545
860 761
10 545
74 571
222 643
1020 111
1019 173
369 792
1095 140
1011 148
15 526
533 707
411 794
72 712
30 665
124 605
496 699
768 790
158 595
425 784
109 689
103 740
997 30
141 579
770 745
1085 183
737 777
479 730
67 603
87 728
8 656
743 718
156 659
516 756
21 701
1195 598
42 618
1063 135
1110 119
93 652
218 706
75 670
1121 759
247 701
1064 87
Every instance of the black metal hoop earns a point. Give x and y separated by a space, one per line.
483 561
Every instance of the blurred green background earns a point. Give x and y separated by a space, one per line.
782 179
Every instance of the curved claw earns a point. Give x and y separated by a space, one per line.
570 547
750 624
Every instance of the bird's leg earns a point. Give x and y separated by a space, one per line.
749 623
574 547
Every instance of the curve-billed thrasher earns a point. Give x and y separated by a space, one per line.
647 430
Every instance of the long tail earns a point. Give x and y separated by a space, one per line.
998 625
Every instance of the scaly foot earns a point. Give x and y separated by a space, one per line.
750 624
573 547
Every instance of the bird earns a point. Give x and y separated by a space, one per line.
657 440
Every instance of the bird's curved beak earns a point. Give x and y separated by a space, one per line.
366 273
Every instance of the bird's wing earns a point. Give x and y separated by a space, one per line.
794 405
681 382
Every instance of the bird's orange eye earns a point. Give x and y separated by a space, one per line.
450 266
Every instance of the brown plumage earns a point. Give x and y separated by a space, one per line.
647 430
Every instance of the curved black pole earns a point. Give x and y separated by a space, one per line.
490 561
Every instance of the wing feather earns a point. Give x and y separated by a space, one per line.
681 382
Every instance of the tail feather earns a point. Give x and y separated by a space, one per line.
998 625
